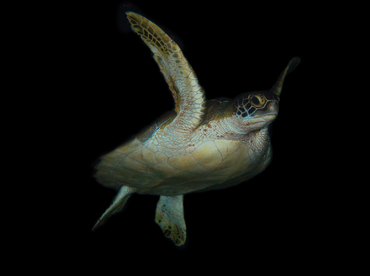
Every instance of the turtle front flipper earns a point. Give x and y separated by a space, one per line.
117 205
179 75
170 217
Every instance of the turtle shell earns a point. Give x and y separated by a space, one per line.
211 165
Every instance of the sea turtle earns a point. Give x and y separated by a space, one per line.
200 145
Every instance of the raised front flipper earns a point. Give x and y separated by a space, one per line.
117 205
170 217
180 77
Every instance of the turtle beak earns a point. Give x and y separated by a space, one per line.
276 89
272 108
270 112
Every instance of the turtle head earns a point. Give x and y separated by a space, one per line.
255 110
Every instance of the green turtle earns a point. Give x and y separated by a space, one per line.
200 145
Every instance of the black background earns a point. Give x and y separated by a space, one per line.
109 87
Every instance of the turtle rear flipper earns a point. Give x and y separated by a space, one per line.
117 205
170 217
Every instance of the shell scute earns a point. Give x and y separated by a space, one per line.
110 160
236 162
161 157
147 180
234 159
129 147
164 170
232 170
208 155
153 148
144 155
187 163
129 169
227 148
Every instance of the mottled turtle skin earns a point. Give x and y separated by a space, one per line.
200 145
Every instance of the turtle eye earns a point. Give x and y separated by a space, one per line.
257 100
